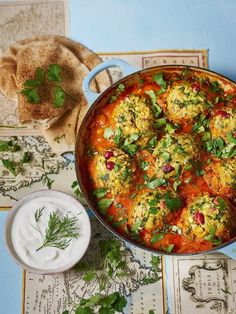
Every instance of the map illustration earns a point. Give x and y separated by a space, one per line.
55 293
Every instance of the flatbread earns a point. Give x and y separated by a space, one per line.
59 127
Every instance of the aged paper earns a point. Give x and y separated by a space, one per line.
25 19
203 284
55 293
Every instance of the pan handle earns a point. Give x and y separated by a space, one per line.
126 68
229 250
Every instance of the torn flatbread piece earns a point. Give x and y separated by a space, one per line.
42 54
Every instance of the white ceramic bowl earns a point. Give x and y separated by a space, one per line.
84 230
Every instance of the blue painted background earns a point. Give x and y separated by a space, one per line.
128 25
121 25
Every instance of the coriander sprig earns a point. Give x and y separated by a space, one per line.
33 87
60 231
38 213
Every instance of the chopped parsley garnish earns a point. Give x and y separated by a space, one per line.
160 122
201 125
158 78
100 193
157 237
215 87
169 248
144 165
9 146
219 148
173 203
118 136
155 182
104 204
155 107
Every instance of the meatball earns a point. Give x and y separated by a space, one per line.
112 170
208 218
133 115
174 153
223 123
184 103
148 211
221 177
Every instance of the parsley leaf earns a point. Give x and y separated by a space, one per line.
231 138
215 87
12 166
118 136
99 193
104 204
155 182
169 248
9 146
59 97
158 78
54 73
156 238
120 87
32 95
173 203
89 276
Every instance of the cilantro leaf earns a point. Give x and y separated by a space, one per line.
155 182
89 276
169 248
39 77
215 87
32 95
173 203
12 166
9 146
131 149
156 238
158 78
155 262
54 73
160 122
118 136
104 204
99 193
120 87
231 138
84 310
59 97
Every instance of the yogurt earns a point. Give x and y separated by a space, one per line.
28 233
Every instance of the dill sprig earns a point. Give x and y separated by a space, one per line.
38 213
60 231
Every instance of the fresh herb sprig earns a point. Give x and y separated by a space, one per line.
38 213
60 231
16 167
113 264
47 181
31 88
103 304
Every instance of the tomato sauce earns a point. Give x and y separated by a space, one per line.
189 184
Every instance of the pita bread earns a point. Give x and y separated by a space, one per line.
41 54
62 124
8 77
